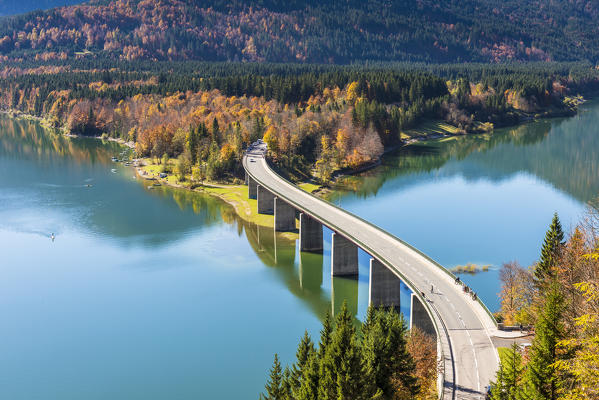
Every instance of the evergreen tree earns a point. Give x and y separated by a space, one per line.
274 386
554 240
341 377
543 380
325 336
215 129
375 352
192 144
286 389
513 372
303 354
509 376
498 388
310 379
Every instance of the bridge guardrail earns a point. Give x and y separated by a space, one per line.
448 272
430 310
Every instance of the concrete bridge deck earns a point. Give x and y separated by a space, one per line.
464 327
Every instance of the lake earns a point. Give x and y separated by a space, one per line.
483 199
161 293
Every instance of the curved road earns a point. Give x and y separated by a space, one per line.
464 328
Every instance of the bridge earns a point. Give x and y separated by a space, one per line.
462 325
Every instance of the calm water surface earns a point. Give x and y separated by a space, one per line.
484 199
144 294
163 294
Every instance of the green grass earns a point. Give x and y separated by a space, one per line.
235 195
503 353
308 187
429 128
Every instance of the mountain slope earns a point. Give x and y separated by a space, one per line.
326 31
12 7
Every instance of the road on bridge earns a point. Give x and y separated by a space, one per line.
464 326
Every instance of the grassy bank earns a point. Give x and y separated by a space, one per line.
234 194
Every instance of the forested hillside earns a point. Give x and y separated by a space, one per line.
12 7
315 118
323 31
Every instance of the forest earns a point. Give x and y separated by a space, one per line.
380 359
327 31
316 119
558 296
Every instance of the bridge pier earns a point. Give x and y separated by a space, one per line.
266 201
419 318
344 256
284 216
384 289
310 234
252 188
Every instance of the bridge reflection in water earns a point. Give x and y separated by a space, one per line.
307 275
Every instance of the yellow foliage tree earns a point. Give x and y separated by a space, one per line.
270 138
226 152
352 92
584 366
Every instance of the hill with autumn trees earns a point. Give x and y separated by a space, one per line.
309 31
323 82
315 118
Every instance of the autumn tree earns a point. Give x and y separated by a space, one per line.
583 366
324 164
423 350
516 293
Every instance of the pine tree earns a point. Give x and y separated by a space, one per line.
286 389
374 351
215 129
554 240
341 377
310 379
542 379
325 336
304 350
274 389
509 376
498 388
513 372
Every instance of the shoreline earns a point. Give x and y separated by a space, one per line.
231 194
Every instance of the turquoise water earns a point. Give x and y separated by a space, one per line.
143 294
484 199
154 294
